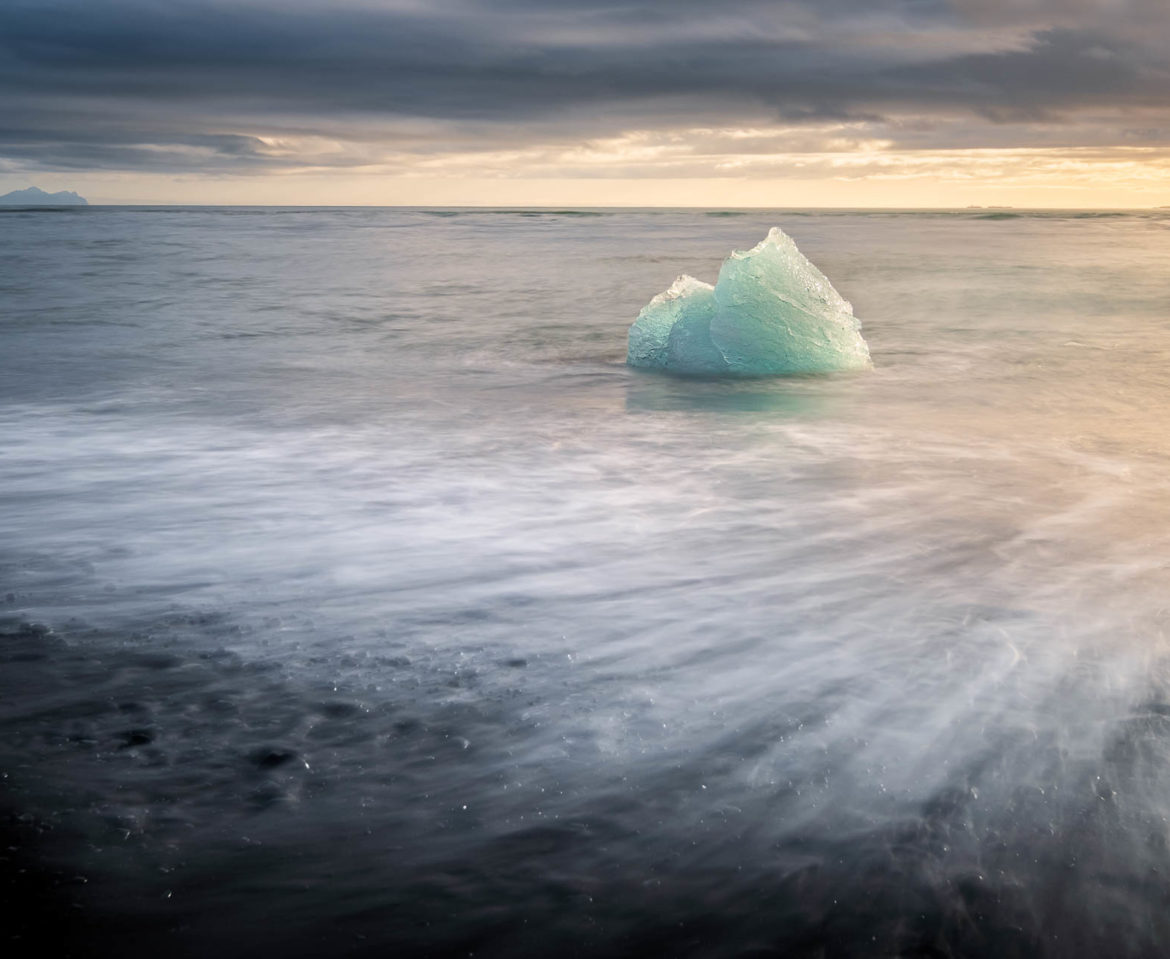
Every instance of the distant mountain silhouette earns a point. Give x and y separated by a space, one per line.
34 197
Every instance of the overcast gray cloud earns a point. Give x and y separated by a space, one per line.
189 85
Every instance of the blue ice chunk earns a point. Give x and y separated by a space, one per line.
771 312
686 299
689 346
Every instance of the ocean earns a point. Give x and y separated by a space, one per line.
356 598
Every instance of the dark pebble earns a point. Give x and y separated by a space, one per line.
136 737
269 757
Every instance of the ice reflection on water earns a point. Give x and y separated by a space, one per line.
391 610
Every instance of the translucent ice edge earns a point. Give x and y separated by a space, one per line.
771 312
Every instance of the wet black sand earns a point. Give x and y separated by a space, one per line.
87 873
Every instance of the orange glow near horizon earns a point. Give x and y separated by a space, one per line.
684 168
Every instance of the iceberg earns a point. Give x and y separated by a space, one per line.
771 312
34 196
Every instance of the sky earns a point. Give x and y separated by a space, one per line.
757 103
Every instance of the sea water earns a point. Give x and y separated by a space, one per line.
358 599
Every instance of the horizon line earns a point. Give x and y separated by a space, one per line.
575 207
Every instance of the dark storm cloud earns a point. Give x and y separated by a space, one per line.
182 84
